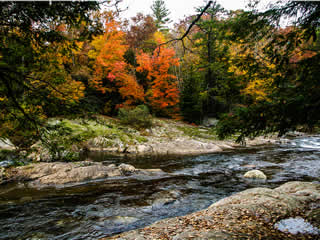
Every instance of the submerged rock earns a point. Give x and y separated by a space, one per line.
160 199
59 173
248 214
255 174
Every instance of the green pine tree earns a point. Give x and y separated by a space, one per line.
160 14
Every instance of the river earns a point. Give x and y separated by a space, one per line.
103 208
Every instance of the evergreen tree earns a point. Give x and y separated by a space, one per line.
160 14
218 82
190 97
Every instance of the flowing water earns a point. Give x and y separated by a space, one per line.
103 208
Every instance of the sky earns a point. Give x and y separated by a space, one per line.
178 8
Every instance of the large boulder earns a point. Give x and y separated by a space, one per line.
255 174
250 214
60 173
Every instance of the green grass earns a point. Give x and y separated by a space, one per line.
83 131
209 133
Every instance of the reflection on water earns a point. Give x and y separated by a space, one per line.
103 208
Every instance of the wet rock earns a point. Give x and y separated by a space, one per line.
6 163
2 174
294 134
59 173
248 214
296 226
249 166
144 149
124 220
255 174
151 172
185 147
160 199
314 216
6 144
127 168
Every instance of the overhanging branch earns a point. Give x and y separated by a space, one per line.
189 28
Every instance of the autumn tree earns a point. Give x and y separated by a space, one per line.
139 36
26 35
111 74
140 32
163 93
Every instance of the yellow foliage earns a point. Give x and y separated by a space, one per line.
97 43
259 89
257 86
3 99
159 37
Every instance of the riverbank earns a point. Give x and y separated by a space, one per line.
72 138
251 214
164 137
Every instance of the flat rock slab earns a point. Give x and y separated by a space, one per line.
250 214
59 173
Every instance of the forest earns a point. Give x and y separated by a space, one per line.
146 127
257 72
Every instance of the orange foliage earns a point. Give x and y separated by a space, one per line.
163 94
302 49
111 66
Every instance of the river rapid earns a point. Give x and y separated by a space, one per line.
106 207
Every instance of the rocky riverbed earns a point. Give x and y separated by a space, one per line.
251 214
115 197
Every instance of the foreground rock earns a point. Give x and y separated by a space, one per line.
59 173
250 214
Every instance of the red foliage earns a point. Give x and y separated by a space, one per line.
163 94
110 65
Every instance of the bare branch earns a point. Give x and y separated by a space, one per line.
189 28
115 5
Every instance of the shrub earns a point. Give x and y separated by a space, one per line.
58 139
138 117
